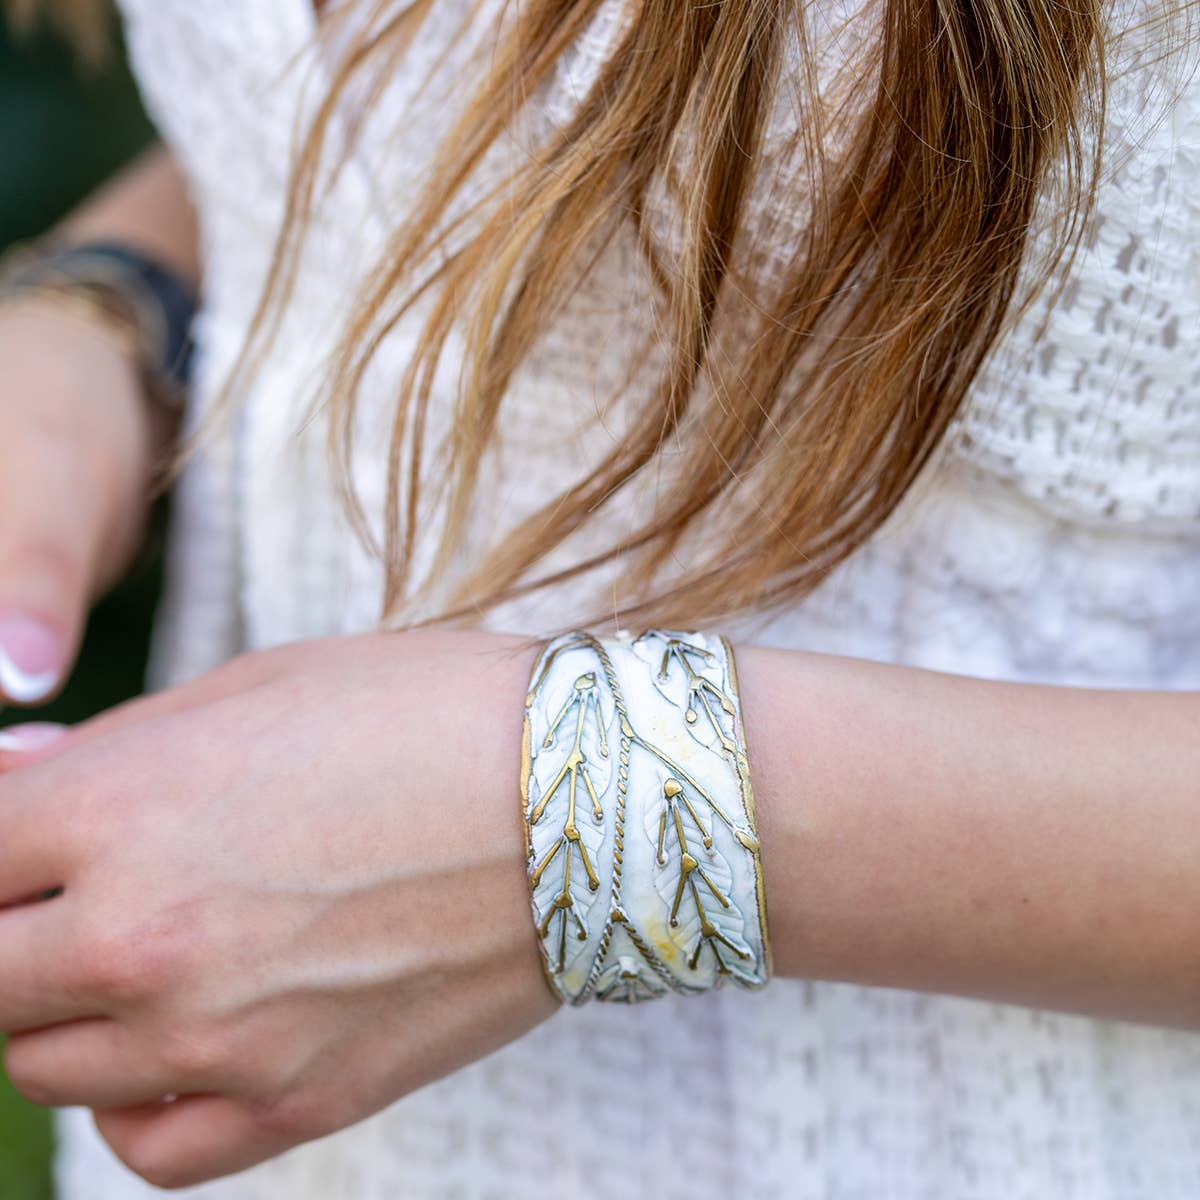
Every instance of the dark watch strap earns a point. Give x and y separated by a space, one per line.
160 304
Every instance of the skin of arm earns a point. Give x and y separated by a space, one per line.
145 206
295 890
1021 843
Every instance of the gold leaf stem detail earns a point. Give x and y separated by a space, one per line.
582 700
689 869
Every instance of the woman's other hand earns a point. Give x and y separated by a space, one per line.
291 892
75 444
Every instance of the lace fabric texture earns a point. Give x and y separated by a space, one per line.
1056 538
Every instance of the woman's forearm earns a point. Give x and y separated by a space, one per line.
78 441
145 206
1030 844
265 880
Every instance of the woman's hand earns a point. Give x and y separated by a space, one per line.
74 459
292 892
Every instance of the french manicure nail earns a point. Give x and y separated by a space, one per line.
33 735
31 658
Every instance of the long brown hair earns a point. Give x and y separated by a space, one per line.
805 404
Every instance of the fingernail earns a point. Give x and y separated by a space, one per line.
33 735
31 659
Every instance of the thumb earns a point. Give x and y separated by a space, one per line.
73 445
38 635
50 534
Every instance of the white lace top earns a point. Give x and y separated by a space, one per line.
1057 538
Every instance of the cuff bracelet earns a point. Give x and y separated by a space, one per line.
643 859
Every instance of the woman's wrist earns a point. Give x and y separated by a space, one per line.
89 420
472 687
781 806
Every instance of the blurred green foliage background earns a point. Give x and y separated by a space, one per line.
63 129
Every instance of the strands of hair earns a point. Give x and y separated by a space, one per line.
820 402
803 408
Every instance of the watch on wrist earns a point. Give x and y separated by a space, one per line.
145 305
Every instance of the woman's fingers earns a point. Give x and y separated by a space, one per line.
21 745
192 1139
34 845
35 741
30 742
48 535
43 599
40 854
47 550
91 1062
43 975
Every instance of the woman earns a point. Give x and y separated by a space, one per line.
767 319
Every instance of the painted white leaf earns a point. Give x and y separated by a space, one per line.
705 704
716 871
547 764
